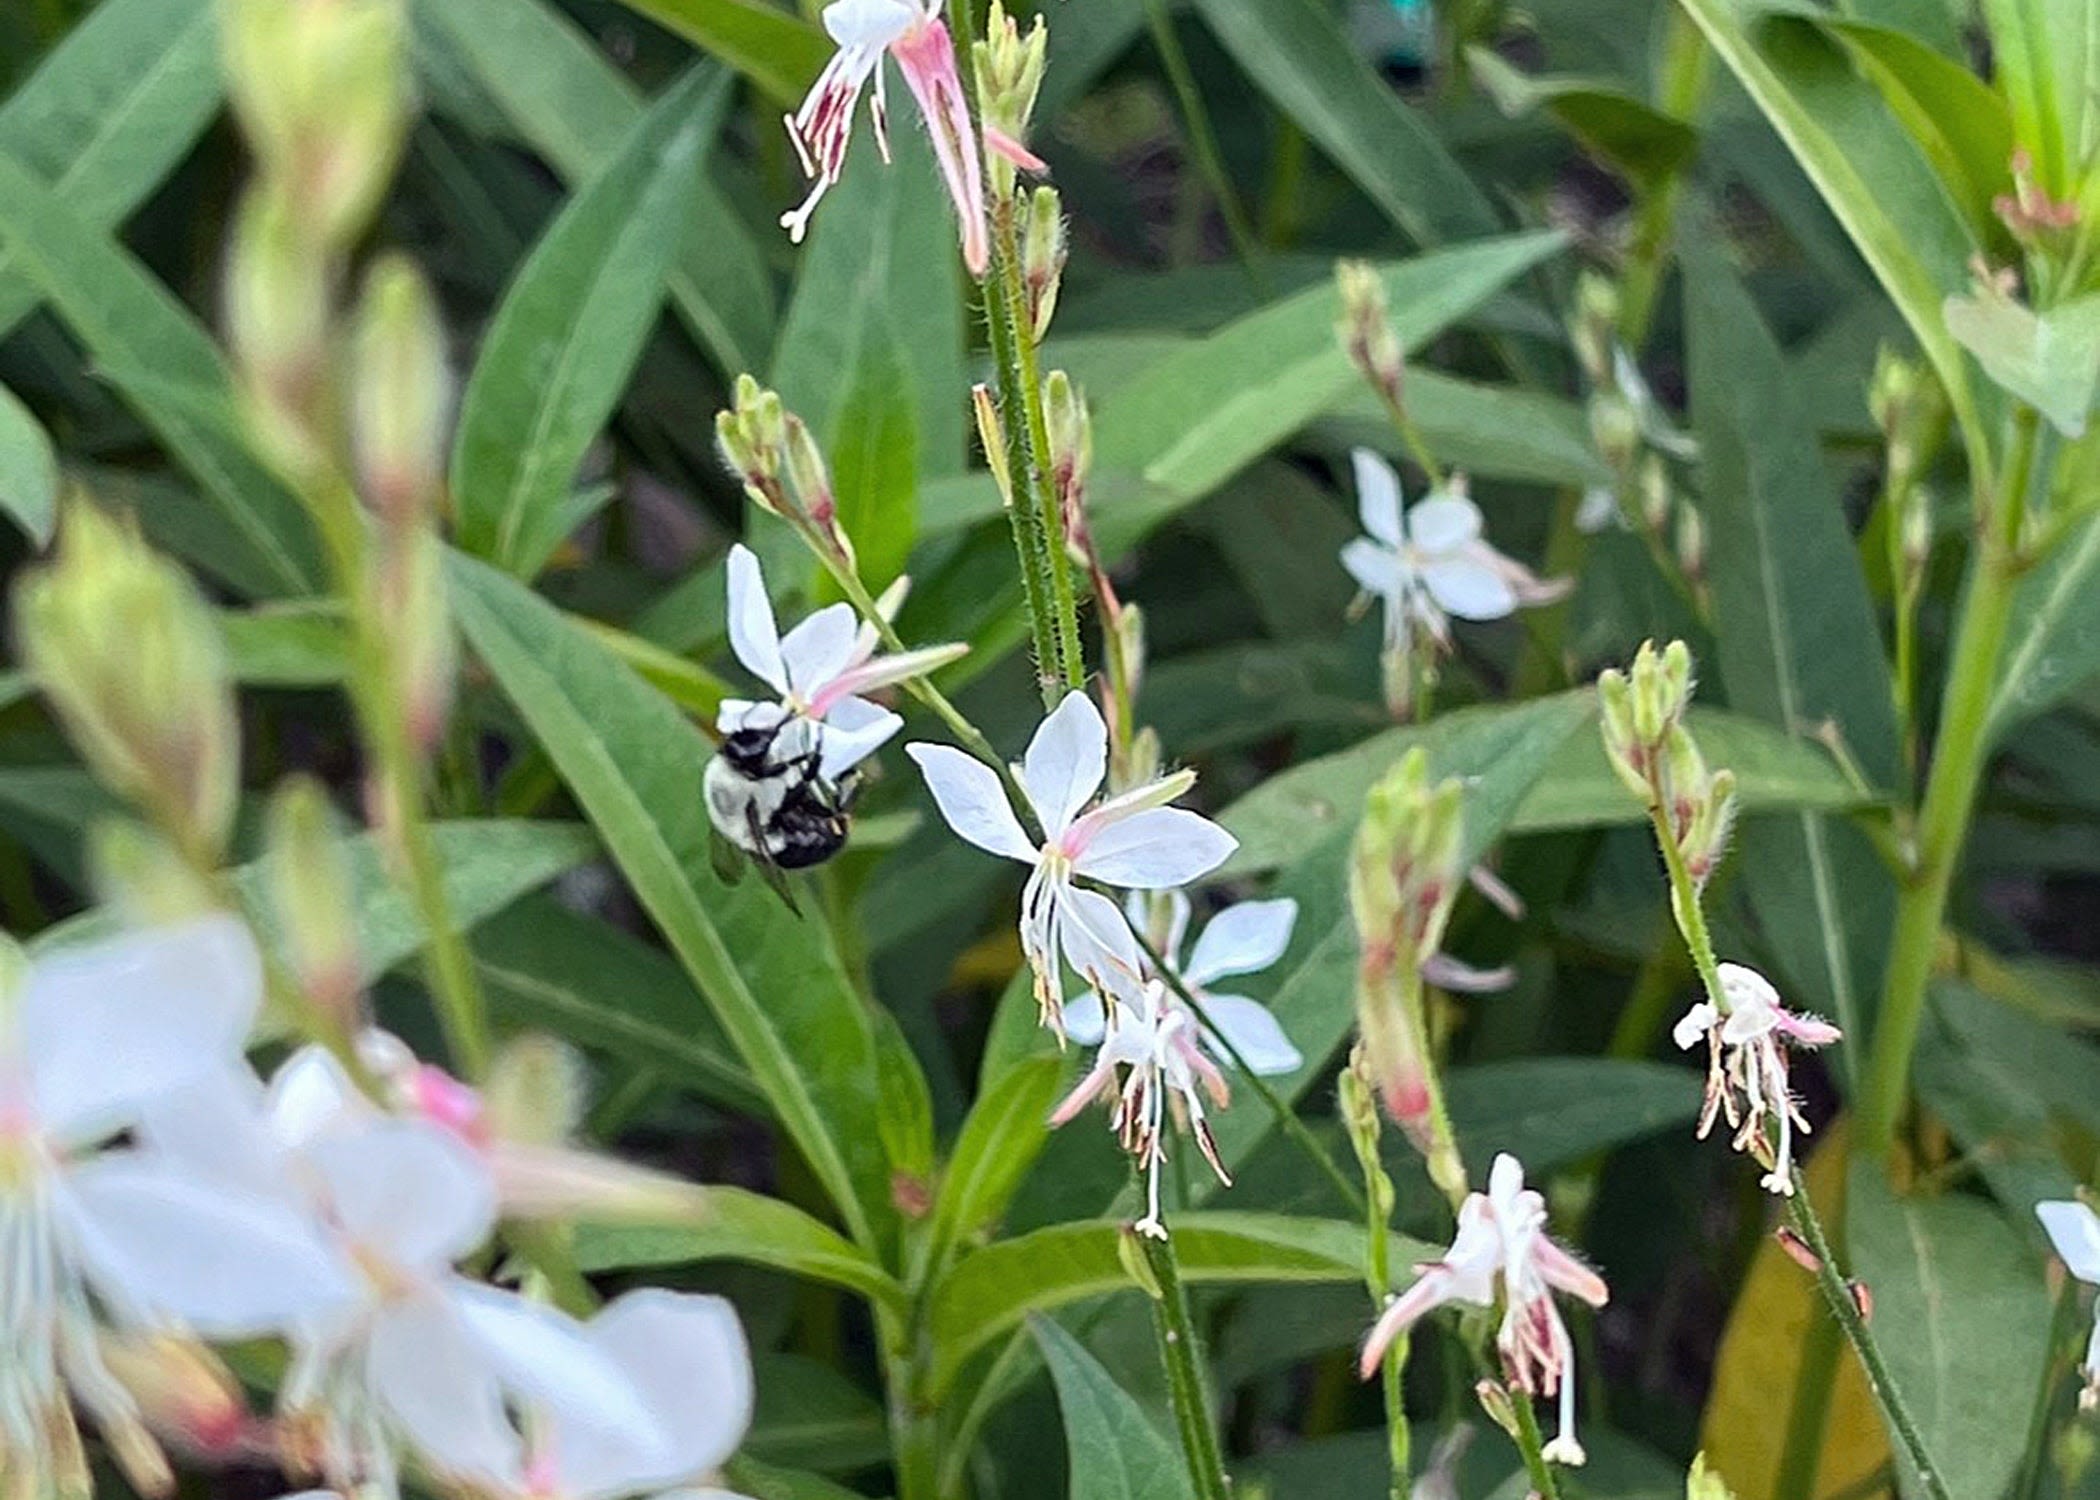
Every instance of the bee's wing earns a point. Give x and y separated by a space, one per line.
775 876
724 855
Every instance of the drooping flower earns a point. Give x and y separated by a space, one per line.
822 129
94 1041
1502 1239
820 669
1132 841
2074 1229
1428 561
1748 1036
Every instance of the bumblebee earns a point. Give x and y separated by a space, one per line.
768 797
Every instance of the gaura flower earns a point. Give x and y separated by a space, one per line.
1244 938
1502 1237
820 668
1747 1038
1429 561
822 128
1132 840
93 1040
2075 1232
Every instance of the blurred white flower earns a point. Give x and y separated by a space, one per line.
822 128
1428 560
1746 1074
1502 1237
1132 841
820 668
93 1041
2074 1230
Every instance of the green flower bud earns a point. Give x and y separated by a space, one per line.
145 879
1916 536
1595 327
124 646
1365 329
1691 542
311 897
535 1093
1615 428
1629 754
991 437
1042 256
1656 495
400 393
1071 439
1009 72
277 319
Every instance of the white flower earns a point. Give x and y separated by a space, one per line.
1502 1237
820 668
1132 841
93 1041
2074 1230
822 128
1429 560
1746 1075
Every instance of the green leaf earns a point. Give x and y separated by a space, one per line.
296 645
1114 1450
634 763
108 114
993 1289
1896 211
567 335
1193 419
874 460
1798 641
165 364
1637 138
1298 54
2046 55
1554 1111
811 1416
757 1480
778 52
576 109
2050 360
1962 1317
1490 431
2054 643
28 470
727 1223
1000 1140
546 967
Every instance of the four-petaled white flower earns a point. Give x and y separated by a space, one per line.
2074 1229
1502 1237
1746 1074
1428 560
822 128
820 668
93 1040
1132 841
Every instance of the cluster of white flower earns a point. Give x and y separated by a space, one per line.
1746 1074
153 1186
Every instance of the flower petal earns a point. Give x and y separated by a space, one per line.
2075 1232
1377 569
1443 522
869 23
854 729
1693 1025
310 1095
409 1190
1255 1034
1066 762
1155 849
1097 941
753 634
1086 1020
434 1381
1377 496
108 1025
228 1264
686 1357
547 1357
819 648
1244 938
1469 587
1565 1272
972 800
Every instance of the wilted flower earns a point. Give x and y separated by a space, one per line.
1747 1035
822 128
1132 840
94 1041
820 668
1428 560
2074 1230
1502 1236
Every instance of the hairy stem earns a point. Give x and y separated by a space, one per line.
1186 1388
1533 1447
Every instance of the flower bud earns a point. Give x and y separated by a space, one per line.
1495 1400
1628 752
1594 331
145 879
128 653
1691 542
1656 495
311 897
1916 536
1615 429
400 393
1009 73
1130 1254
991 436
185 1394
321 87
752 437
1042 255
1705 840
1910 410
277 318
1365 329
1071 441
535 1092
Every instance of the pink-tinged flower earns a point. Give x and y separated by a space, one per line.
1132 841
1502 1238
2075 1232
822 128
1747 1037
820 669
1428 560
97 1041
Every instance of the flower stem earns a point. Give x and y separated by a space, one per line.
1533 1447
1378 1277
1951 788
1179 1352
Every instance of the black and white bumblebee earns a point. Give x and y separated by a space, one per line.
768 796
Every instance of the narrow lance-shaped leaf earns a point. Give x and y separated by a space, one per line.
28 470
1114 1450
776 50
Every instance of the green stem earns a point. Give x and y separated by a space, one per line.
1186 1389
1951 788
914 1428
1210 161
1533 1447
1446 1167
1378 1277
